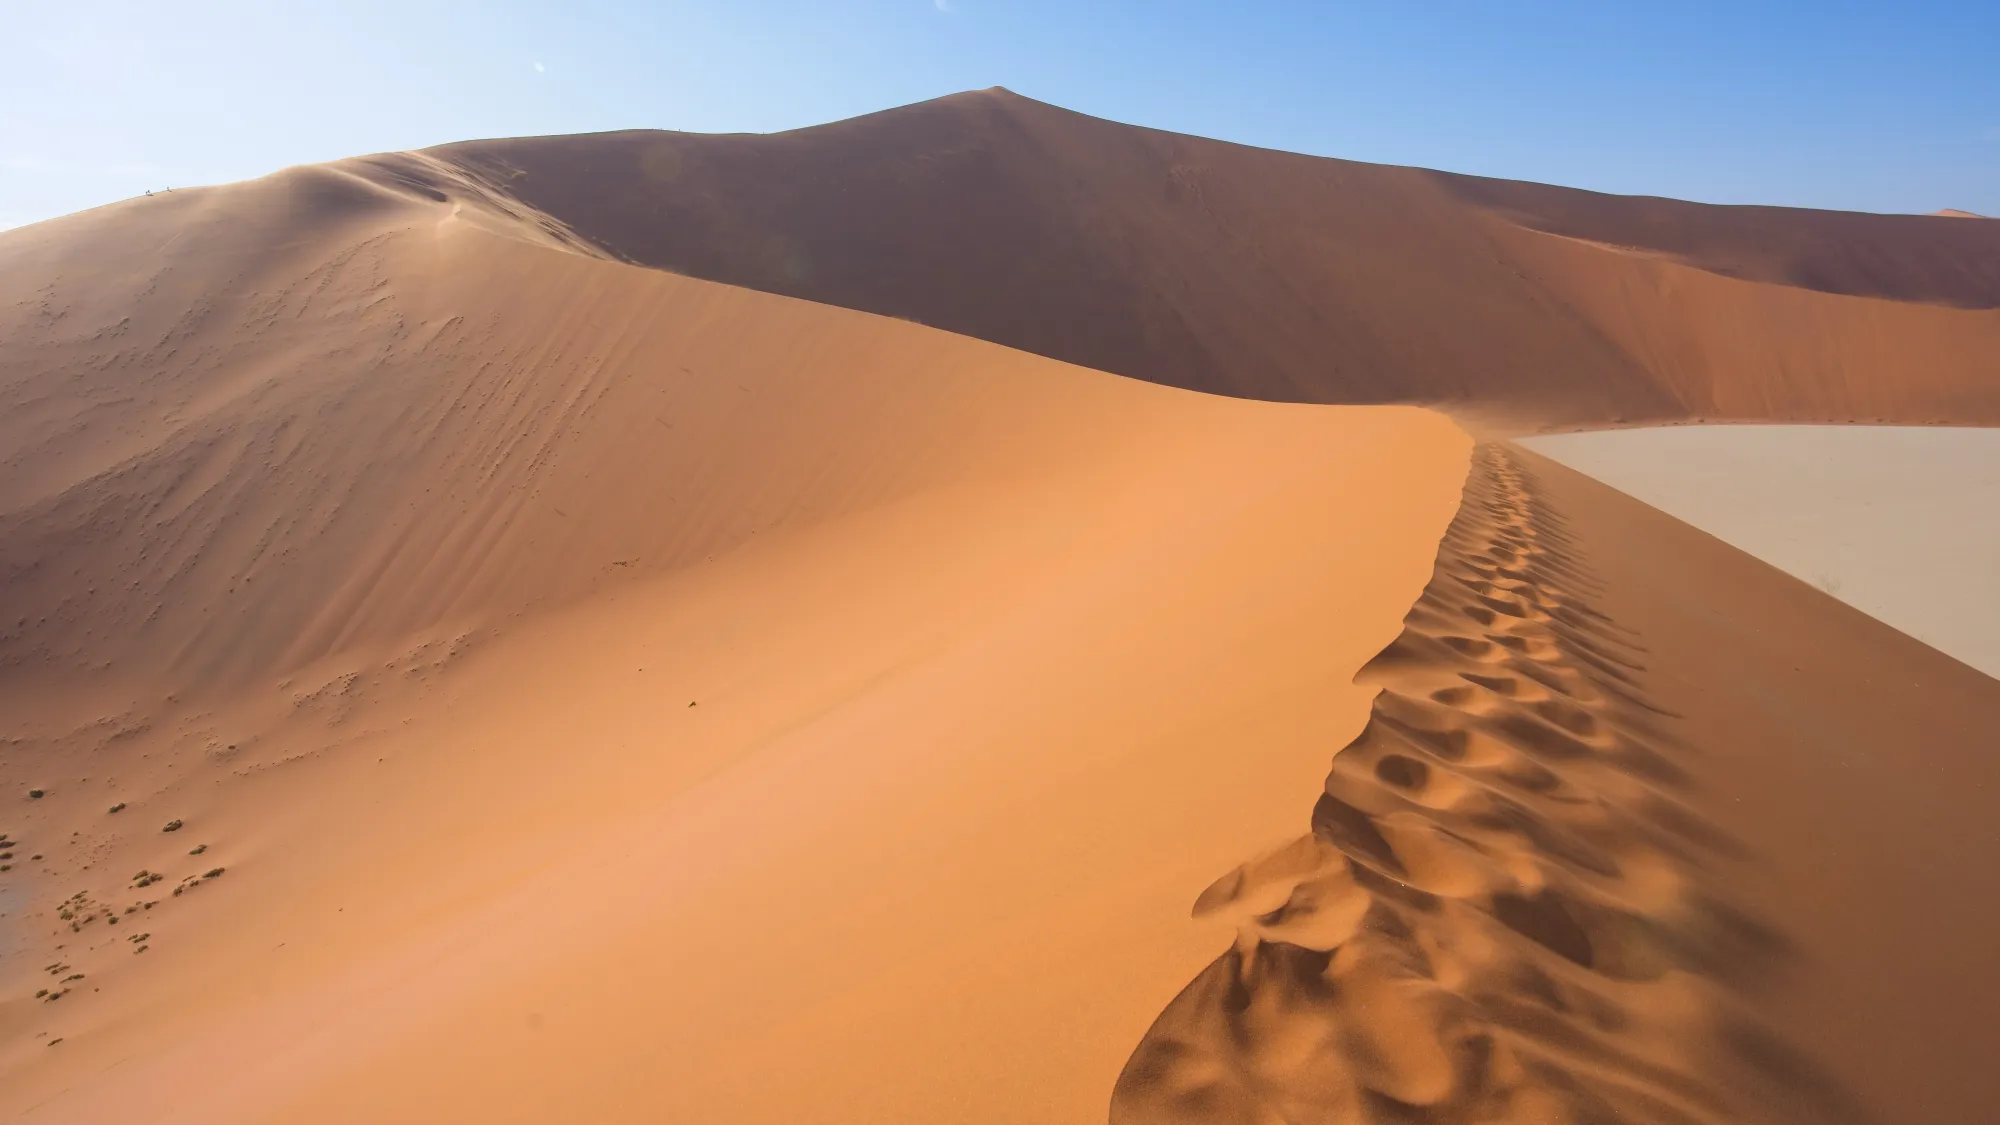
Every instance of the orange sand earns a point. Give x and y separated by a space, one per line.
467 676
1271 275
615 696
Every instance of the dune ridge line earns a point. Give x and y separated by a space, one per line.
1503 911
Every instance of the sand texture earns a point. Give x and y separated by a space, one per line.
608 695
476 645
1589 862
1270 275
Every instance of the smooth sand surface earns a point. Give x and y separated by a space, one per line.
1272 275
611 696
1897 522
448 672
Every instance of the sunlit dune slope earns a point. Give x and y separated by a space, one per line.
249 427
578 692
1265 274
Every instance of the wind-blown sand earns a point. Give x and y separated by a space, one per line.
464 676
1895 521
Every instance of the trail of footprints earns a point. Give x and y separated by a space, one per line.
1502 913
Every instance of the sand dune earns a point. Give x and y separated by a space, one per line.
475 646
1639 830
1270 275
606 694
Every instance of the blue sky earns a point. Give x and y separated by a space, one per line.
1863 106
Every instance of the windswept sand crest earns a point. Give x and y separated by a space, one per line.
1272 275
1534 892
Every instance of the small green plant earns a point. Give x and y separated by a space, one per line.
198 849
172 826
36 794
212 873
119 807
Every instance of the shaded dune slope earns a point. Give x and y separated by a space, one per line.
1265 274
1586 861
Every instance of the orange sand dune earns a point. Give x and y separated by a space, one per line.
1271 275
607 695
1640 830
449 673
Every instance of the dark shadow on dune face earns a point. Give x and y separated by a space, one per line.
1273 275
1900 257
1504 911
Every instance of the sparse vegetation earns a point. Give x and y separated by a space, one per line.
172 826
119 807
212 873
198 849
36 794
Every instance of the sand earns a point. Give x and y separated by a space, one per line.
452 668
614 695
1271 275
1894 521
1640 829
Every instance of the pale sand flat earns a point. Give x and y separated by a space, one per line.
1897 522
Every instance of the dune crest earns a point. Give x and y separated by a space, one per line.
1263 274
1595 855
603 694
1502 912
507 633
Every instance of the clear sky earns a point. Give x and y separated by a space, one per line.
1884 107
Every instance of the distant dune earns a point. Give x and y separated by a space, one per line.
1265 274
474 645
